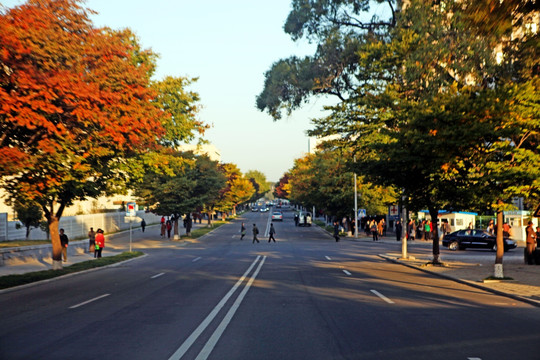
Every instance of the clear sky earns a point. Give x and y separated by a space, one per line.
228 45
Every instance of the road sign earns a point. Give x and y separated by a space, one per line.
394 210
130 211
537 211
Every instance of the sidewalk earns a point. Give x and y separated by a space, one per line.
113 247
466 268
525 285
470 269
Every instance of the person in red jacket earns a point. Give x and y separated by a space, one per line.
100 243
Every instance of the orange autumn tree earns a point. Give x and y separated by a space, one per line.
75 106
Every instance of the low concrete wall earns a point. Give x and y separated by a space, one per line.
18 255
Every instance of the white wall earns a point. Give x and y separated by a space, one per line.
78 226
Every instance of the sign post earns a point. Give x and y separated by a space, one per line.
130 216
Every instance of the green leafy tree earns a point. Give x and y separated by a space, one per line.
30 215
262 186
194 182
325 180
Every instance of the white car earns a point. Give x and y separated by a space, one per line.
277 216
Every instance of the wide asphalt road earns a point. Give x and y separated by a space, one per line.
304 297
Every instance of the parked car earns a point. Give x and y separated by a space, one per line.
304 219
277 216
475 238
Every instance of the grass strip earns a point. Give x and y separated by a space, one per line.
8 281
197 233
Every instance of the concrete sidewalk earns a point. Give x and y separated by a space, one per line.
471 270
115 244
525 285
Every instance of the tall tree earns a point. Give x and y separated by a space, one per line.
325 180
30 215
282 188
262 185
238 189
75 101
194 182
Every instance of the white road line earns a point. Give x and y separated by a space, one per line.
346 272
328 258
196 259
89 301
158 275
211 343
382 296
198 331
474 358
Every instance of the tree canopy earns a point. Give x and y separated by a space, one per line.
440 101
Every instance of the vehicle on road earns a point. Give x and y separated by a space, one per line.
254 209
474 238
277 216
264 209
304 219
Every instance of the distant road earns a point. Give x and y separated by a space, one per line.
304 297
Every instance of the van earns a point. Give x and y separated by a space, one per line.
304 218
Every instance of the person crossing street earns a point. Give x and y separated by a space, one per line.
255 233
271 233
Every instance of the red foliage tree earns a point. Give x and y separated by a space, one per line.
75 103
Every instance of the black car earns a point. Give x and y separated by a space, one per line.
474 238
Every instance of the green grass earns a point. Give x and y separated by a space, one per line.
197 233
22 279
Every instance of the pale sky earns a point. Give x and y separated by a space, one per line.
228 45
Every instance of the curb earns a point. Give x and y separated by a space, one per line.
464 282
35 283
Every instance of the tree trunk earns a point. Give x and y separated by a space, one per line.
498 270
175 227
55 240
434 213
27 232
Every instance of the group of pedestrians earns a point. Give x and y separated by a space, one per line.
255 231
96 242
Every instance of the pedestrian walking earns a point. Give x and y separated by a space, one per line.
100 243
91 240
538 236
336 231
399 229
64 241
143 225
255 233
381 227
427 230
271 233
374 230
163 229
296 219
411 226
242 231
169 228
531 244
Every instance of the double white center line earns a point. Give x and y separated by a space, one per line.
211 343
